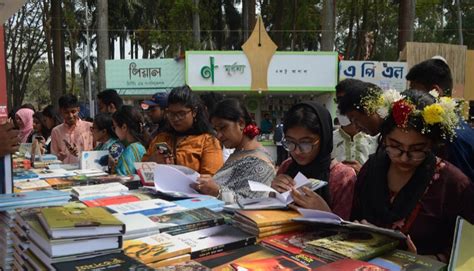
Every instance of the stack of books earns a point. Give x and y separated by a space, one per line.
263 223
45 236
158 250
31 185
98 191
8 204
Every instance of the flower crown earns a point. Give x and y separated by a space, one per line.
445 113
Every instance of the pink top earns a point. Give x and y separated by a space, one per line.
80 135
342 180
26 116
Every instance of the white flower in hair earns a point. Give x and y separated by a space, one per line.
382 112
388 97
434 93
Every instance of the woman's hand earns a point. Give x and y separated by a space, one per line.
410 245
206 185
308 199
283 183
353 164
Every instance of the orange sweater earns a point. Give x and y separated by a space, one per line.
202 153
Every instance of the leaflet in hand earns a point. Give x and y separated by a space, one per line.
322 217
174 178
281 200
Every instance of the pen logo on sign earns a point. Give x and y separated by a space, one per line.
208 71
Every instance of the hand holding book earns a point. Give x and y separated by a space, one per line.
308 199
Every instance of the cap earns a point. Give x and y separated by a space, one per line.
160 98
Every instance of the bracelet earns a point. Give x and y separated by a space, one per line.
219 194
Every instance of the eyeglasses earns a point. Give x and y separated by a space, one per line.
178 115
396 152
304 147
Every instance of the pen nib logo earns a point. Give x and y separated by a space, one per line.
208 71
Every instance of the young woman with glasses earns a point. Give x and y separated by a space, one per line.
405 186
189 138
308 138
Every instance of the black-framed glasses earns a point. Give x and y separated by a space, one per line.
180 115
304 147
415 155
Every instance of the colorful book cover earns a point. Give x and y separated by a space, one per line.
216 239
355 244
184 266
145 207
111 262
462 258
184 221
111 201
155 248
262 218
283 262
351 265
170 261
59 183
295 242
201 202
399 260
94 160
32 185
24 174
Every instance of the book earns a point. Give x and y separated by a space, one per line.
201 202
399 260
188 220
94 160
145 207
115 262
283 262
19 199
98 189
462 257
349 265
174 178
111 200
137 226
262 218
295 242
184 266
62 222
24 174
215 239
145 172
354 244
59 183
327 218
268 230
170 261
155 248
280 200
31 185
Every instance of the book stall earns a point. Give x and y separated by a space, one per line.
68 217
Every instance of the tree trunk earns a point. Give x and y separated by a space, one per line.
406 21
59 74
49 50
102 42
328 26
351 30
362 30
196 25
122 39
279 24
252 4
245 20
293 35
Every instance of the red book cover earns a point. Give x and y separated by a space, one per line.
111 200
350 265
286 263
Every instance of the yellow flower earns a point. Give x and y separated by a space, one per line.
433 114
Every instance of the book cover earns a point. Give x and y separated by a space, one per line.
62 222
24 174
111 262
399 260
283 262
262 218
137 226
111 201
349 265
60 183
31 185
355 244
201 202
94 160
462 253
184 266
170 261
155 248
188 220
107 188
145 207
216 239
19 199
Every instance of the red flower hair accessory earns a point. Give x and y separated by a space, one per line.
401 109
251 130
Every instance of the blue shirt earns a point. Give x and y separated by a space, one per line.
460 152
132 154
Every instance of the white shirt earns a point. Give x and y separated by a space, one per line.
357 149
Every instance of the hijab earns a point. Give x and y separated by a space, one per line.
26 116
320 166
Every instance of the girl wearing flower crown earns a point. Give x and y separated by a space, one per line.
405 186
250 161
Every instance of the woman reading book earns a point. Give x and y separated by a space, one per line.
128 123
250 161
405 186
189 139
308 137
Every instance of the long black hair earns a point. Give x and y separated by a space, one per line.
45 132
232 110
133 118
103 121
50 112
185 97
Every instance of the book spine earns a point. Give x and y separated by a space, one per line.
222 248
179 229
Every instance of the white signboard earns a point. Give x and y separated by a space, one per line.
230 70
387 75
